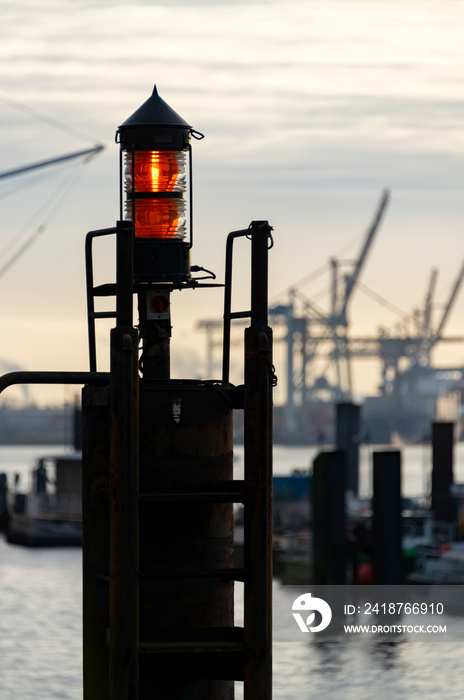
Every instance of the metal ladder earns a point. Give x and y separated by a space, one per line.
228 652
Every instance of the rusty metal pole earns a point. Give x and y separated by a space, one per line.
124 402
123 521
155 337
258 476
95 538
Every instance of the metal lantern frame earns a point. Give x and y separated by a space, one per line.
132 150
156 127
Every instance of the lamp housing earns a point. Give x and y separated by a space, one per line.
155 177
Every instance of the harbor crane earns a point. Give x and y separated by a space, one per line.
319 351
337 321
416 345
310 327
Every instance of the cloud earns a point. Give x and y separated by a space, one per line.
309 110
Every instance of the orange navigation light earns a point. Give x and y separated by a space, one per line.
156 189
155 171
161 174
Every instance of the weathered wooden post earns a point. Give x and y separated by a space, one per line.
328 518
442 470
387 523
348 426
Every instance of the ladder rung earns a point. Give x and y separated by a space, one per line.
105 290
238 314
232 574
102 314
215 492
186 648
232 497
196 634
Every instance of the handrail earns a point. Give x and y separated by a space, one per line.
91 314
24 377
258 232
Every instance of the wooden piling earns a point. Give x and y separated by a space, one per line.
328 518
442 470
387 527
347 438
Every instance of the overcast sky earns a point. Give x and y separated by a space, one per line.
309 109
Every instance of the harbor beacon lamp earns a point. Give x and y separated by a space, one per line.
159 551
156 190
156 196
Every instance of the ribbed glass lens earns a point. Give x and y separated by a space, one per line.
158 218
155 171
154 182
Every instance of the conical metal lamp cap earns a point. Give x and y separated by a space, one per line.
155 112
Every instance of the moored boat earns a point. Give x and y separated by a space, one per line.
443 565
50 514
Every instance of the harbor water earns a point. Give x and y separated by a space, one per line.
41 625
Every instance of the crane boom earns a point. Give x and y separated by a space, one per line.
353 278
428 303
52 161
450 303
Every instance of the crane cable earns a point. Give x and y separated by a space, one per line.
29 180
48 120
59 195
63 187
